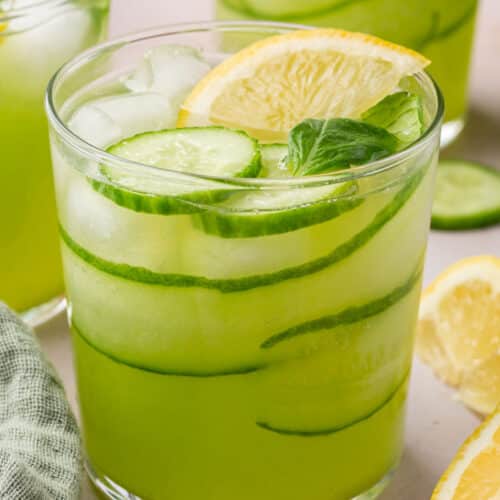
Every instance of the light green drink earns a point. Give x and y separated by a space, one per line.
440 29
234 337
35 39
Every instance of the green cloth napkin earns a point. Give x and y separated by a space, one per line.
40 457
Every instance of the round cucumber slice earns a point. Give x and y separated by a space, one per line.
467 196
212 151
265 212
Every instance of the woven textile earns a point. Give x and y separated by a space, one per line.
39 439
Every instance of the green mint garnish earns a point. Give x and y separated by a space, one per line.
400 114
319 146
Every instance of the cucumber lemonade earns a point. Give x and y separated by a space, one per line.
243 288
36 37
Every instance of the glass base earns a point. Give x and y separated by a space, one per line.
376 490
40 314
451 130
108 489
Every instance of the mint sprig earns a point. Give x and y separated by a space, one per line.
400 114
319 146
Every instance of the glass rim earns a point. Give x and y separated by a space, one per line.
26 10
101 156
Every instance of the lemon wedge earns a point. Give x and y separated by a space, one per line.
474 472
458 332
277 82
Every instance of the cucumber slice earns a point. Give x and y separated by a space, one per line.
398 394
381 219
467 196
210 151
191 331
396 231
265 212
243 370
312 395
347 316
272 158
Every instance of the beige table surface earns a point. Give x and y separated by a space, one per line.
436 424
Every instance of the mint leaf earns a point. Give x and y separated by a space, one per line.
318 146
400 114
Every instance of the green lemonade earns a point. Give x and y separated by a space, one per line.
442 30
223 350
32 46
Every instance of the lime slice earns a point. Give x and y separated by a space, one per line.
206 151
467 196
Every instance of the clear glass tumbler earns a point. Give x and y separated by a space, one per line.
269 366
36 37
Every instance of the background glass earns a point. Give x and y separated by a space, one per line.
185 391
34 41
440 29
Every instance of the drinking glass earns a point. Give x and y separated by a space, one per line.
245 365
36 37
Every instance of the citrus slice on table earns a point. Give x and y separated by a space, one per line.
474 472
275 83
458 332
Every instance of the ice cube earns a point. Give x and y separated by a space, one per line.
107 120
94 126
172 70
116 233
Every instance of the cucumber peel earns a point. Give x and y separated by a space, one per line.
264 212
244 370
343 251
338 428
347 316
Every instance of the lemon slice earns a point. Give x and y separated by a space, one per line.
459 330
275 83
474 472
480 387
